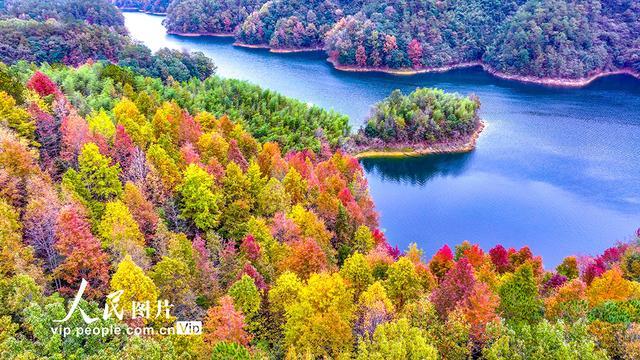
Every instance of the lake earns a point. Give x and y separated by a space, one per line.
556 169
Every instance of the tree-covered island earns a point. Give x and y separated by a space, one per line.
423 122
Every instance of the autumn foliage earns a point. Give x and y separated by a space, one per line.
278 251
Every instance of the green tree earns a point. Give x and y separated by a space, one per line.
199 203
246 296
10 84
363 240
357 273
519 299
403 283
543 341
397 340
230 351
173 280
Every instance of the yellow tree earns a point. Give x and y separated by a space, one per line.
311 226
612 286
295 186
15 258
135 284
126 113
320 322
16 118
285 292
120 233
99 122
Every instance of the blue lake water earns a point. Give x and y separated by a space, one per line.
556 169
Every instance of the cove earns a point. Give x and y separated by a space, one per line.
555 169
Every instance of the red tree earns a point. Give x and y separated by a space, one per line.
141 209
306 257
225 323
123 148
234 154
250 248
206 279
253 273
361 56
189 129
441 262
455 288
500 258
189 154
75 133
84 258
414 51
41 84
47 134
480 309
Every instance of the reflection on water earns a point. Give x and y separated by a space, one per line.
416 170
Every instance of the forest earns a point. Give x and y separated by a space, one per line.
73 32
161 183
93 12
158 7
123 182
522 39
208 17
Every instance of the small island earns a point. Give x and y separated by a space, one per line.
427 121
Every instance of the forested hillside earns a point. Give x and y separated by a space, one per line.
531 40
73 32
152 191
568 39
287 24
96 12
207 16
156 6
565 39
133 185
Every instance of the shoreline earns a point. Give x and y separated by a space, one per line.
153 13
291 51
219 35
250 46
456 148
404 72
557 82
276 50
